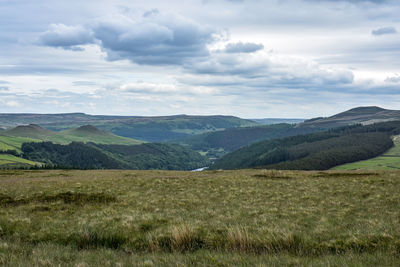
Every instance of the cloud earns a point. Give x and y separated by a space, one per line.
394 79
4 88
67 37
243 47
4 82
383 31
83 83
153 39
150 39
160 88
13 104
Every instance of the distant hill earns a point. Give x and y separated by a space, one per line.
317 151
362 115
153 129
218 143
100 156
86 133
268 121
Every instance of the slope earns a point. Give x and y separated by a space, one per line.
161 128
387 161
83 134
11 161
362 115
101 156
217 143
316 151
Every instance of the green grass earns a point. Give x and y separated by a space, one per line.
6 159
211 218
13 142
388 161
31 133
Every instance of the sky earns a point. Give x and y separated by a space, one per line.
247 58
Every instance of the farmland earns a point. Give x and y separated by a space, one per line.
245 217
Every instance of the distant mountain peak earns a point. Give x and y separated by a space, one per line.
29 127
359 115
88 129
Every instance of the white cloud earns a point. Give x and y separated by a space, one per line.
13 104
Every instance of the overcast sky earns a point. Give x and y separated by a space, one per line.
249 58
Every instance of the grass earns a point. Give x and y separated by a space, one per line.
9 160
211 218
388 161
13 142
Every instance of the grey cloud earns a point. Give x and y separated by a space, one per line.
4 88
383 31
67 37
243 47
395 79
155 40
152 39
4 82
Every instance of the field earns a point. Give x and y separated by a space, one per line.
211 218
388 161
14 143
10 160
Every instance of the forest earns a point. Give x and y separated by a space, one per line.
97 156
317 151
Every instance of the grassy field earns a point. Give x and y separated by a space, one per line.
211 218
10 160
13 142
388 161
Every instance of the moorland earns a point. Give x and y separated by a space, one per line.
212 218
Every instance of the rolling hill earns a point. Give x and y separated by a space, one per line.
218 143
78 155
359 115
390 160
317 151
86 133
153 129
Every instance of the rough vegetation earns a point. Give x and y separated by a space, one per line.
245 217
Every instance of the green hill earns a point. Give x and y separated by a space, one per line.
318 151
11 161
83 134
14 143
362 115
101 156
218 143
154 129
390 160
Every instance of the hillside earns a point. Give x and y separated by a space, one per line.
268 121
10 161
84 134
14 143
155 129
101 156
217 143
390 160
318 151
362 115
